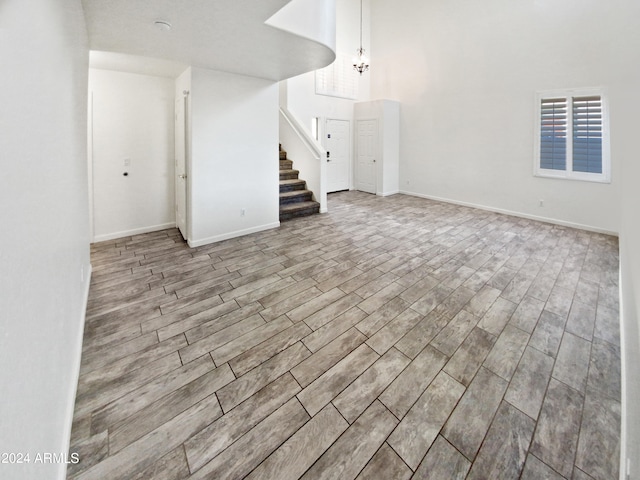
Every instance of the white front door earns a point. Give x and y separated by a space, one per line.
181 165
338 159
367 143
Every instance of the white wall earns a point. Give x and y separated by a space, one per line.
234 155
466 73
626 131
44 248
301 98
132 118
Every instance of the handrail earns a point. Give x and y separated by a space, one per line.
310 142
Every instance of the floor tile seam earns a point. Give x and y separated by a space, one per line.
582 406
93 315
118 266
422 392
210 352
262 363
175 250
429 342
133 283
147 381
115 304
387 323
441 434
583 394
583 398
281 443
189 306
191 471
347 386
525 413
110 429
322 308
112 343
544 463
117 359
130 355
386 442
484 438
96 280
449 358
170 281
326 449
593 392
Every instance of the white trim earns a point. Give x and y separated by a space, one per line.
388 194
514 214
569 173
90 179
623 384
237 233
135 231
75 373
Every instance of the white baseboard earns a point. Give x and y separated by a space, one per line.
388 194
237 233
75 373
136 231
513 213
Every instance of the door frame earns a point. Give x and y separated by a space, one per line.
185 131
350 176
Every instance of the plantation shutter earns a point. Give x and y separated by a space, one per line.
587 134
553 133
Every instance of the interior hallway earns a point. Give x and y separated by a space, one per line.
392 337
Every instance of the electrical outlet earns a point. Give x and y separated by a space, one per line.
243 211
127 162
541 203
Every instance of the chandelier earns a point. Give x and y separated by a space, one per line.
361 62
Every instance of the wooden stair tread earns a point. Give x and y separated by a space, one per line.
292 181
295 193
298 206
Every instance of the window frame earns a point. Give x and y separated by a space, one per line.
568 173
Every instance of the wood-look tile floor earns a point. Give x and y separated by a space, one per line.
391 338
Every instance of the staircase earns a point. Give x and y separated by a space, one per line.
295 199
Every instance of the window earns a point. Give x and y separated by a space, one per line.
572 135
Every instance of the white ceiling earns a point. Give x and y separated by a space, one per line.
226 35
